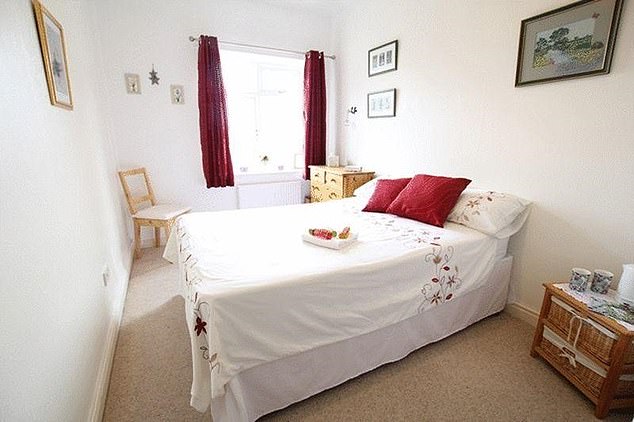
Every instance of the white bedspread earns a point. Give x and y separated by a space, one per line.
255 292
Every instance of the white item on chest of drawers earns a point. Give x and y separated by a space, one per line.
626 285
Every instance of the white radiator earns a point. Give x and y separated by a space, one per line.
269 194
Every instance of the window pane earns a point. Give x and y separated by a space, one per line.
265 109
241 113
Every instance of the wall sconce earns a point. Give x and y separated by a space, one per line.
351 110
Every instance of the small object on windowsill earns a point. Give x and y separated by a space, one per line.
353 168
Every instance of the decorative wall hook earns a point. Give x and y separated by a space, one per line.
154 76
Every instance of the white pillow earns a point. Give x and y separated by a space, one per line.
497 214
366 190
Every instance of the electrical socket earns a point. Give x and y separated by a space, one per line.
105 275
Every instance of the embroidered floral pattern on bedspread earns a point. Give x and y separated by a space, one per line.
201 313
387 226
445 279
191 279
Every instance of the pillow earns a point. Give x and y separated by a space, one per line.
428 198
493 213
385 192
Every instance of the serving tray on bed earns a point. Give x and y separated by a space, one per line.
334 243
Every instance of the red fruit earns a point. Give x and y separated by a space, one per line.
322 233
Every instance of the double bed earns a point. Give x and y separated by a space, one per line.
273 319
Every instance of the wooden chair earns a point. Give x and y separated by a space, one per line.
155 215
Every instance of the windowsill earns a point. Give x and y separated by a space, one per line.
267 176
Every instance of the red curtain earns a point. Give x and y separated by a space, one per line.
214 131
314 110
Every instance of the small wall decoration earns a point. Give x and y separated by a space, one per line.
383 58
132 83
53 48
572 41
382 103
154 76
177 94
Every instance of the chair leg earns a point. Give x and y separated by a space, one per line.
137 240
157 237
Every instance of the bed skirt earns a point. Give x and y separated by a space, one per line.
278 384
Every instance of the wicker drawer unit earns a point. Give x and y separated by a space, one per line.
327 183
592 351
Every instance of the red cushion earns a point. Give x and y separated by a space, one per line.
429 199
385 192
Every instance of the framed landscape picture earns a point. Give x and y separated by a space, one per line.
382 103
54 55
383 58
572 41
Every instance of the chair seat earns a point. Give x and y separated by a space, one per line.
161 212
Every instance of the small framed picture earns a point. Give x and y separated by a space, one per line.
132 83
177 94
569 42
383 58
53 48
382 103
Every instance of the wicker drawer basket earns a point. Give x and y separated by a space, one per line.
593 339
578 366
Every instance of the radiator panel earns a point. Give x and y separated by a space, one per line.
269 194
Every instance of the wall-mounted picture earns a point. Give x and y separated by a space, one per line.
383 58
132 83
572 41
54 55
178 94
382 103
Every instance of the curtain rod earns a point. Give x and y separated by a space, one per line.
194 39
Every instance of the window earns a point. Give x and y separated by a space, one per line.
265 104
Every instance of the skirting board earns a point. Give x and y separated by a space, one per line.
521 312
103 376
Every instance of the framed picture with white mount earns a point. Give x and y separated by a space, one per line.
382 103
383 58
132 83
53 48
569 42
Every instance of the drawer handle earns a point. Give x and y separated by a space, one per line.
315 188
332 195
568 354
333 180
572 319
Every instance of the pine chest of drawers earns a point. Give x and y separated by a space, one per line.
594 352
327 183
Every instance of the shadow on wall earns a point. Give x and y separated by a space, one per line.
563 245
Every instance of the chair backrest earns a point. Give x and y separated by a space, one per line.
133 195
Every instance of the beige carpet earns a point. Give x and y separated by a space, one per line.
483 373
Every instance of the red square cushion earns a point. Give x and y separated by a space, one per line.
429 199
385 192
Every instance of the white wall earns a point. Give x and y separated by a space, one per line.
147 129
60 225
567 145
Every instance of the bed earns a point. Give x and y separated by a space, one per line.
273 319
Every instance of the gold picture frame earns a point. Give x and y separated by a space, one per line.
569 42
53 48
